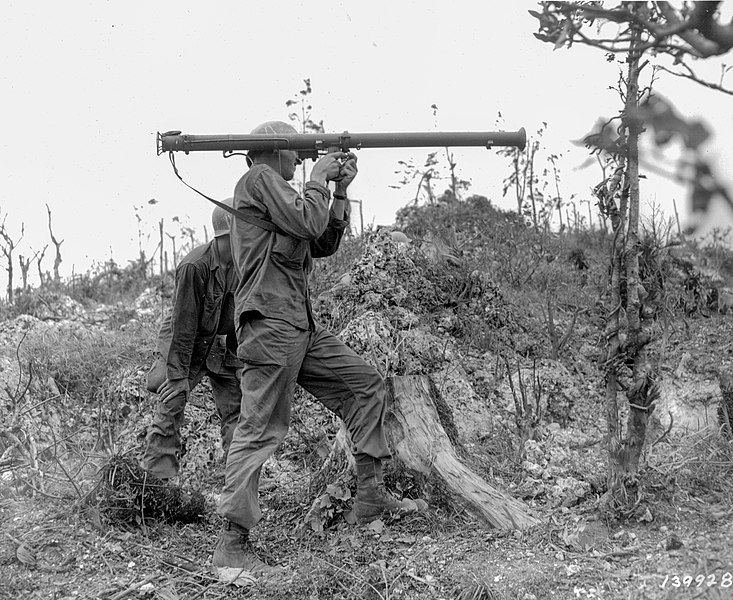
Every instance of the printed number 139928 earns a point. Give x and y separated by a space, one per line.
678 581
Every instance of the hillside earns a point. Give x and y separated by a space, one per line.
508 325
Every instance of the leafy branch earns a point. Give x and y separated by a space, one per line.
693 30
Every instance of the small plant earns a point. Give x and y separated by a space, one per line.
328 507
557 343
127 494
528 408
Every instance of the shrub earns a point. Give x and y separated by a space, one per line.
327 271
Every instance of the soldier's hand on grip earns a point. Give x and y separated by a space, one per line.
328 167
348 170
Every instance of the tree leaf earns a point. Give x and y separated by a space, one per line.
561 39
696 134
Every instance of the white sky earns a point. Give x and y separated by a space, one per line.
86 85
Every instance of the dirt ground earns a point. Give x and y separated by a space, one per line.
677 543
52 550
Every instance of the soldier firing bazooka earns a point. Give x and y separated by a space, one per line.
197 338
281 344
275 236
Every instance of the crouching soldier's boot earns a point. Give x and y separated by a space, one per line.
372 499
234 551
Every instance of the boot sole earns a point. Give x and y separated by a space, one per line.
415 506
385 514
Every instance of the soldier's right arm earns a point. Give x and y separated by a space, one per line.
187 307
303 217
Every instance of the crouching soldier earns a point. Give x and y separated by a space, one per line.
197 338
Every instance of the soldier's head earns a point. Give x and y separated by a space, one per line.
221 220
283 161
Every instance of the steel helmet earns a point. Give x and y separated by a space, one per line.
274 127
221 219
269 127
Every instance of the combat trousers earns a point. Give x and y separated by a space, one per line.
277 356
162 453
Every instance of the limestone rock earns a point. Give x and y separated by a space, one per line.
690 404
568 491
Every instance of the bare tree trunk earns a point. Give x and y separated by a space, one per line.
519 185
643 392
559 213
531 187
8 249
557 190
613 333
39 260
57 244
175 255
9 255
25 265
677 218
161 246
452 167
626 338
361 217
429 187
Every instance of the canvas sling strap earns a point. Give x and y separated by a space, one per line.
250 216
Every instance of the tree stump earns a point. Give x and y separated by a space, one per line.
419 440
422 441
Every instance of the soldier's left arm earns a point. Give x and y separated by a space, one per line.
339 215
330 240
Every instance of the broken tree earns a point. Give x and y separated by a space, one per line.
420 443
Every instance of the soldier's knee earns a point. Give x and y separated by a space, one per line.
374 387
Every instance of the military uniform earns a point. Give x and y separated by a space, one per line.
278 339
197 338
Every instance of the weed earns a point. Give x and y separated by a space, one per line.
528 407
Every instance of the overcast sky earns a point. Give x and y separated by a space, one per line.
87 84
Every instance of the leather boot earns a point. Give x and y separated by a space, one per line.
234 550
372 499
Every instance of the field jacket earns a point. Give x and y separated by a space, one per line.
194 334
273 267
